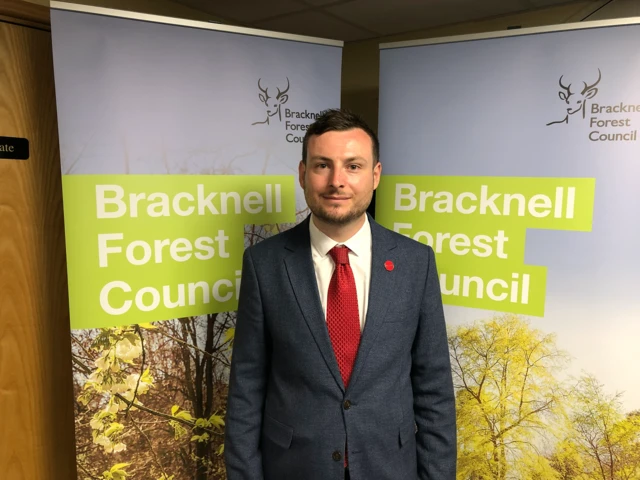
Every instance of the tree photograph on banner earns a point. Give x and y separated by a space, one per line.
517 417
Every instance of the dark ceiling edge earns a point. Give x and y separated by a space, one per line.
217 18
328 14
309 8
596 10
390 38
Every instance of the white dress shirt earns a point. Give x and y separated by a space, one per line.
359 259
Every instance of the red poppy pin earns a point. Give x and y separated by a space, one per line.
388 265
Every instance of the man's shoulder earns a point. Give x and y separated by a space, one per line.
280 240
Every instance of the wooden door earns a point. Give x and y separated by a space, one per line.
36 398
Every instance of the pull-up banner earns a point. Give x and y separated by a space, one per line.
179 144
516 157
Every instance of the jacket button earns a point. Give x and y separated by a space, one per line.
346 404
337 456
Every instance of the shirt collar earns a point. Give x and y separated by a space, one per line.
359 243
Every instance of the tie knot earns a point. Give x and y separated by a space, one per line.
340 255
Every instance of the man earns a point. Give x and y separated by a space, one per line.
340 364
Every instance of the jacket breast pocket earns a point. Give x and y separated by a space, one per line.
277 432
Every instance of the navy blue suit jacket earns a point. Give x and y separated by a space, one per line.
289 415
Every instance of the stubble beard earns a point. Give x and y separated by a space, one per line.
330 215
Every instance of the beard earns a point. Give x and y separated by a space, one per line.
334 216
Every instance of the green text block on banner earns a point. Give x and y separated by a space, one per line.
477 227
144 248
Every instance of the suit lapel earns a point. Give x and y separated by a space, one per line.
300 269
381 293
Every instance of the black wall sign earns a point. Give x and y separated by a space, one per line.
13 148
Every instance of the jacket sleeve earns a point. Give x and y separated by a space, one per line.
433 396
247 381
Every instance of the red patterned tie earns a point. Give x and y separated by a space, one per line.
343 317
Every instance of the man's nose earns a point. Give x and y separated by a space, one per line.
337 177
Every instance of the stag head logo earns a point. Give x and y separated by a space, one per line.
576 100
273 103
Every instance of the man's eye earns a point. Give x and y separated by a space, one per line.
353 166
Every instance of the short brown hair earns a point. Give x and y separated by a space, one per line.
339 120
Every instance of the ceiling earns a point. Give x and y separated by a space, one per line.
351 20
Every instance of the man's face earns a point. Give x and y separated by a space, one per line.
339 177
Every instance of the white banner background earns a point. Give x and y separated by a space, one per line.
480 107
149 97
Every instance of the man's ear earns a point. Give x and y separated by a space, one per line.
302 168
377 171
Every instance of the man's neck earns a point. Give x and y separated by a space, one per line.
339 233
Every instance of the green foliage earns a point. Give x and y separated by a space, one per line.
178 430
183 415
229 335
215 422
517 422
504 373
117 472
601 442
567 462
201 438
116 387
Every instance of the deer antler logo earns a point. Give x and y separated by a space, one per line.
273 104
576 102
